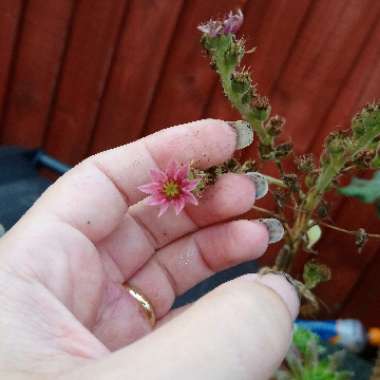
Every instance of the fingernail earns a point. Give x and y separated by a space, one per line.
244 133
275 229
260 182
284 289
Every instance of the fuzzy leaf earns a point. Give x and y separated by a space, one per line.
368 191
313 236
244 134
315 273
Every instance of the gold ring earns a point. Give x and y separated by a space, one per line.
144 302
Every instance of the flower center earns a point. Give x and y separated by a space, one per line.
171 189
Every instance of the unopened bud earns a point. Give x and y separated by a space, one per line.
233 22
275 125
306 163
283 150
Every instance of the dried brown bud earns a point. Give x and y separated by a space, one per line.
283 150
306 163
261 102
291 181
361 238
266 152
280 197
364 159
249 166
275 125
323 209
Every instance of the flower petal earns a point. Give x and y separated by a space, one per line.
171 170
158 175
179 205
150 188
155 200
182 173
233 22
163 209
190 185
211 28
190 198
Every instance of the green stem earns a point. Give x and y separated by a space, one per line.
274 181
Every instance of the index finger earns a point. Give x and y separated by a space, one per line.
206 142
94 196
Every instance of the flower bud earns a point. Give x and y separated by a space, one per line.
233 22
275 125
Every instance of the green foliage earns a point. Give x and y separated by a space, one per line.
306 343
306 360
368 191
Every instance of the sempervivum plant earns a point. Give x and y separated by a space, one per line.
299 195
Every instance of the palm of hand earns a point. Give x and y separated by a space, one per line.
63 265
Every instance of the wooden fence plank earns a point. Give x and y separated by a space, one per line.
320 63
364 301
337 250
356 91
135 72
93 41
361 87
10 15
186 81
36 70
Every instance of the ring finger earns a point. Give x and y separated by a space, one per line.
174 269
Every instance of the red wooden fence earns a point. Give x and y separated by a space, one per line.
81 76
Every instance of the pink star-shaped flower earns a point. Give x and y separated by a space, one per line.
170 187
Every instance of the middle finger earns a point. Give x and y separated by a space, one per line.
141 233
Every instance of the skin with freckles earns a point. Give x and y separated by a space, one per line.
65 313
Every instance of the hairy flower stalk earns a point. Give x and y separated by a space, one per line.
299 196
226 53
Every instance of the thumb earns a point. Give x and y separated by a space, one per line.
241 330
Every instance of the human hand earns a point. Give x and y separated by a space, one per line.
64 310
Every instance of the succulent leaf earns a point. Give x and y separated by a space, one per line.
315 273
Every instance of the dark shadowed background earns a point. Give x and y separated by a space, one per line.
81 76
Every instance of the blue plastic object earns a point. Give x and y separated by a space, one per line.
349 333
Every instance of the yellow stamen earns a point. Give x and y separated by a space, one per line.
171 189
